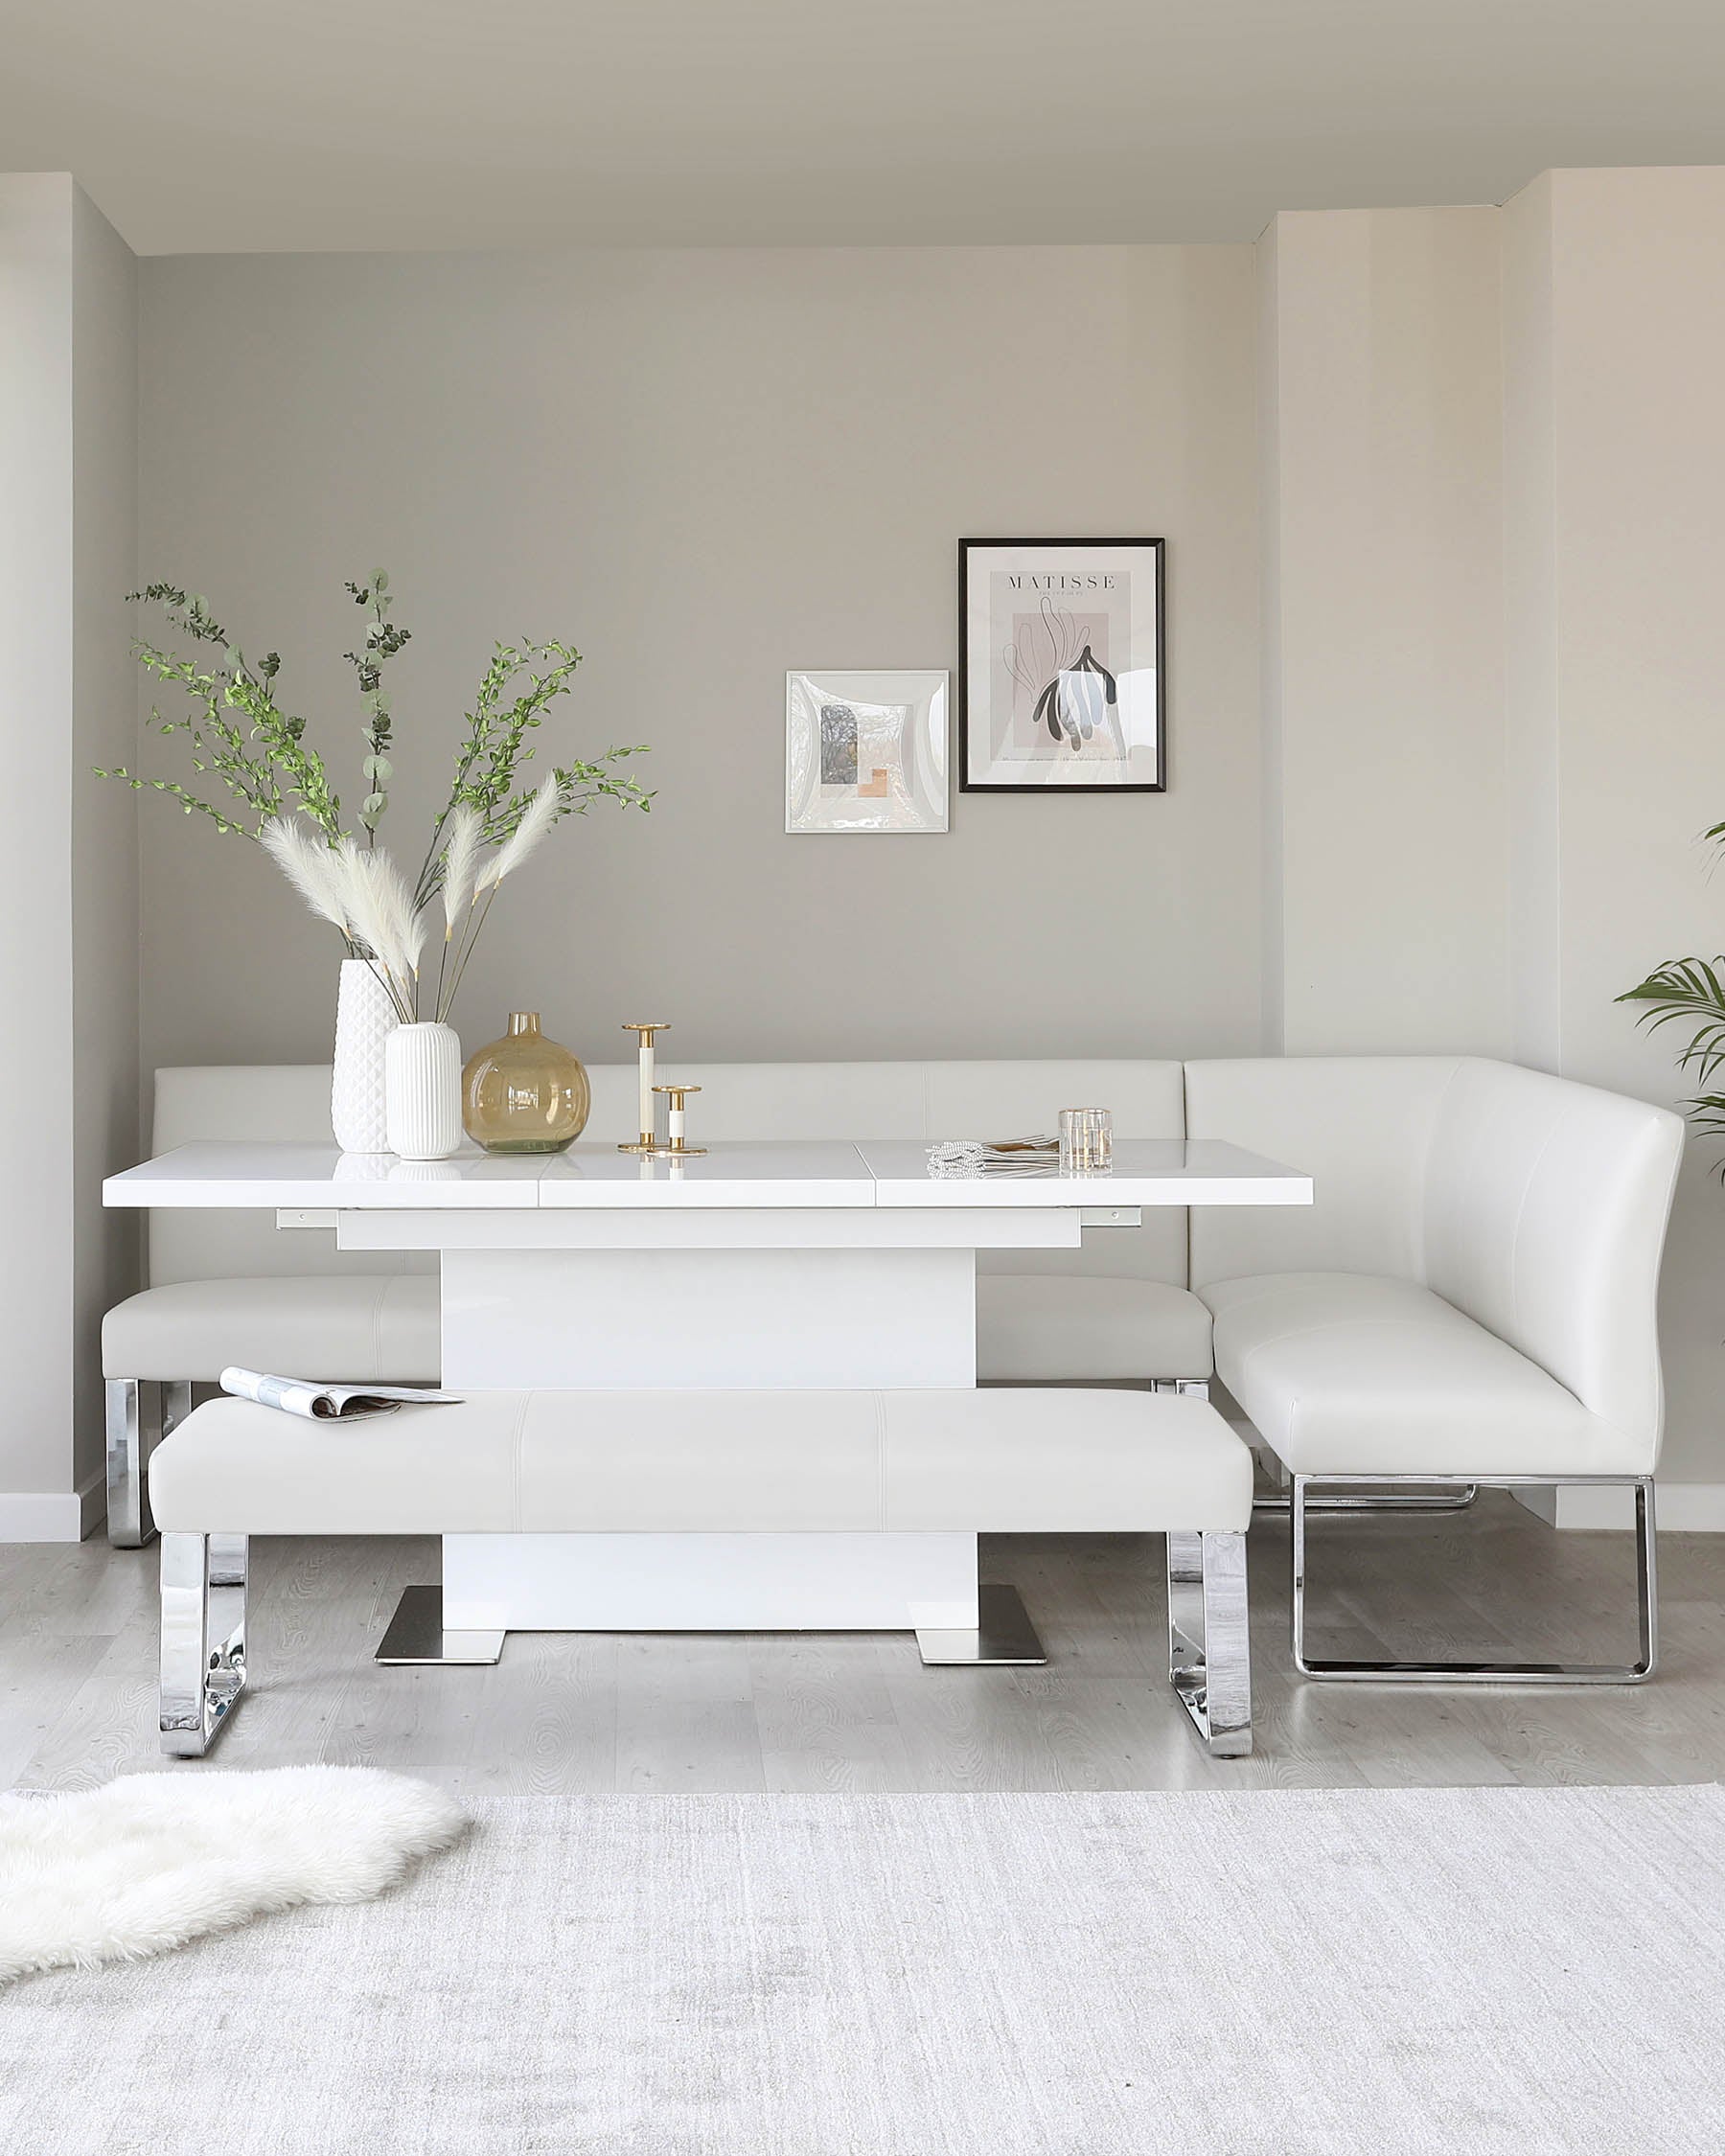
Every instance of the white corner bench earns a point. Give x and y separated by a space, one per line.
1005 1460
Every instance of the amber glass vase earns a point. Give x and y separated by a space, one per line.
524 1093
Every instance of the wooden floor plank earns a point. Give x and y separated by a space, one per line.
571 1713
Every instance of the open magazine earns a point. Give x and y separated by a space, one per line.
324 1402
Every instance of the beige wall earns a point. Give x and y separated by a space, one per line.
105 819
1621 292
1384 643
1458 809
68 971
705 468
1495 453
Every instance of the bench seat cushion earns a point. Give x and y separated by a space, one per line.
349 1329
1349 1373
1088 1328
693 1462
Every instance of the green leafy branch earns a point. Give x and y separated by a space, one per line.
496 745
249 748
383 641
238 733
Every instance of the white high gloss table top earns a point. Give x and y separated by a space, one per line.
826 1173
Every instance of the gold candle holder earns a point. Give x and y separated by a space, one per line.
675 1147
648 1141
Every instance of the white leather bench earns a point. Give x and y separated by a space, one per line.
1005 1460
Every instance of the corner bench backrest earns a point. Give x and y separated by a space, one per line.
1360 1125
1545 1221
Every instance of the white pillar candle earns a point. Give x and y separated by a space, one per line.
646 1122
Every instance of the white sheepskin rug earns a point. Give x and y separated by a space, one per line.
151 1861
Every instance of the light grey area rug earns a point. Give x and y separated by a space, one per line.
1270 1974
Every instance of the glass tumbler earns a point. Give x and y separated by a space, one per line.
1086 1141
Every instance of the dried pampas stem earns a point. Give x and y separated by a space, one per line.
384 918
312 866
461 861
541 814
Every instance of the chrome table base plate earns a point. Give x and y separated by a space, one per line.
1004 1636
416 1637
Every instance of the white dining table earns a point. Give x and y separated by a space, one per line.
802 1266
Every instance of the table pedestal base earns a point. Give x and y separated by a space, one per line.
1003 1635
709 1582
416 1637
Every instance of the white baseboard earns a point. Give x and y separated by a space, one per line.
1681 1507
54 1515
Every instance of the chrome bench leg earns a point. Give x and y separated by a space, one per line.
203 1638
1487 1672
1210 1652
1412 1500
140 1412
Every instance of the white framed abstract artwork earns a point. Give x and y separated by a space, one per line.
866 752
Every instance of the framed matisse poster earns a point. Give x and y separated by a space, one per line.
1061 676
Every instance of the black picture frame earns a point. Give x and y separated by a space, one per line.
1155 550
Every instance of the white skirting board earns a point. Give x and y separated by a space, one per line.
1691 1508
54 1515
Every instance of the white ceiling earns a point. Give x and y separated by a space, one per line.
202 125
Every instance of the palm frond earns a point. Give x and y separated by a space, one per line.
1688 990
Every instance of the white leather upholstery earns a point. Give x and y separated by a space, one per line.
1349 1373
1006 1461
350 1330
1359 1126
1490 1238
1083 1328
1545 1219
620 1462
234 1468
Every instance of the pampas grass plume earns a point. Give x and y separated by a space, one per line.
461 861
542 812
315 869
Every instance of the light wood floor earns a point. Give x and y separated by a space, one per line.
570 1714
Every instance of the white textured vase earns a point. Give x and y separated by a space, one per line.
422 1091
364 1020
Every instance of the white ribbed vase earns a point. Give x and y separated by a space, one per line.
364 1020
422 1091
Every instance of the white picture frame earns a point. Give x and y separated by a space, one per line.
867 751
